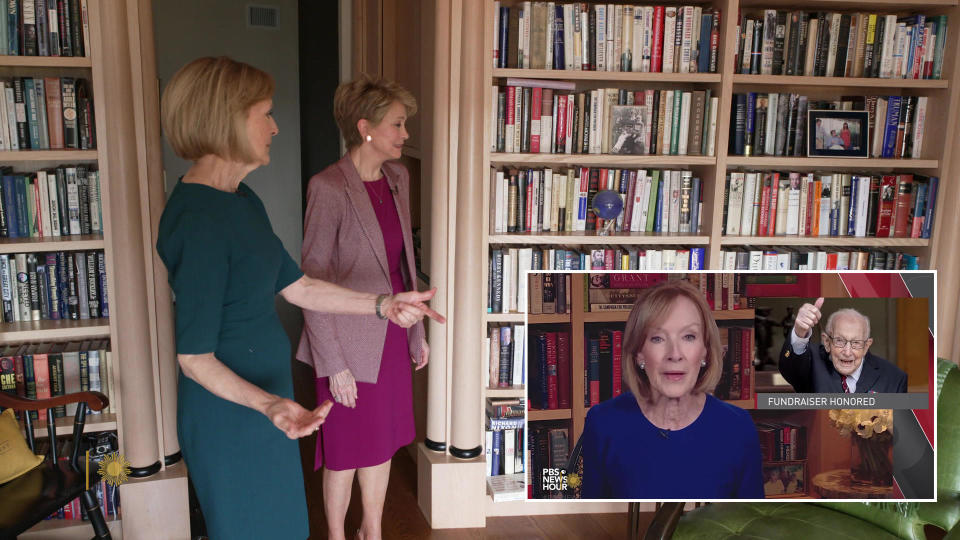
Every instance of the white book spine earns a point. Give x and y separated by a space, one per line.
668 122
547 199
886 58
647 38
54 207
769 35
793 206
44 189
12 117
617 24
499 203
601 42
568 51
769 144
712 130
669 36
921 118
834 43
735 195
686 40
746 214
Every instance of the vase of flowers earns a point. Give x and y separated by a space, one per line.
871 449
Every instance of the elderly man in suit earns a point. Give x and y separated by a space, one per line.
842 363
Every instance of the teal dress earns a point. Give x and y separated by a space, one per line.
225 266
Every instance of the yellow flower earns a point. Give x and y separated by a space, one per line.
573 480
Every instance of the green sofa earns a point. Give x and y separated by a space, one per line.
870 521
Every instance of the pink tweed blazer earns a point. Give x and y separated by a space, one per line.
342 243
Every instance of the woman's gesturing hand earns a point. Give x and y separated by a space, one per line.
343 388
407 308
294 420
424 356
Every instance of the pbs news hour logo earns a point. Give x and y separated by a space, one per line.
557 479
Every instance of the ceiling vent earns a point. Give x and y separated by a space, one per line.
262 16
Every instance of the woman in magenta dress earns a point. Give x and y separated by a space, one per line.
357 234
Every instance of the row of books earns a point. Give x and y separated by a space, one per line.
45 28
50 113
837 204
505 353
544 200
507 292
833 44
602 369
533 116
549 447
45 370
777 124
549 293
817 258
782 441
53 286
618 292
58 202
735 379
504 449
549 370
606 37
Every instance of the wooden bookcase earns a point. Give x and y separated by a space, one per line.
89 67
937 160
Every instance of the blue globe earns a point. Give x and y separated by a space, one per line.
607 204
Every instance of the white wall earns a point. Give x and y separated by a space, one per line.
189 29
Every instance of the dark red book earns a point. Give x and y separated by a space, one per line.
888 196
901 211
552 395
617 362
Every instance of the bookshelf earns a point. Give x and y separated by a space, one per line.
119 69
713 169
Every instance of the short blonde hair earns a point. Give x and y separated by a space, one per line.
205 106
368 99
650 309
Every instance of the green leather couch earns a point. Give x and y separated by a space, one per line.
870 521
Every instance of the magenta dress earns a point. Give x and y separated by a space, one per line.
382 421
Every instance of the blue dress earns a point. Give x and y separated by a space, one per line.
627 457
225 266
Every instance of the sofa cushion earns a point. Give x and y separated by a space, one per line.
15 456
735 521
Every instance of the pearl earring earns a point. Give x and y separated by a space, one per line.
643 366
703 363
369 138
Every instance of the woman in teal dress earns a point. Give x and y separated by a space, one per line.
236 418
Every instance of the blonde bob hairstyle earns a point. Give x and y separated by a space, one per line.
650 309
367 99
205 107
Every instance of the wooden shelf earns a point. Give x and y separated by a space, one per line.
549 318
38 331
592 238
552 414
621 316
46 61
504 317
508 392
94 422
832 241
833 163
864 82
619 76
52 243
742 403
599 160
70 156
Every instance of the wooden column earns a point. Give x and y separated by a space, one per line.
465 423
130 299
437 86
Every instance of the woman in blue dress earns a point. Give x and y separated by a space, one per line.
668 438
236 418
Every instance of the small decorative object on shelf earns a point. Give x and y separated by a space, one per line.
608 205
837 133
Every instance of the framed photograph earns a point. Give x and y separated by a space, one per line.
785 479
628 132
837 134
